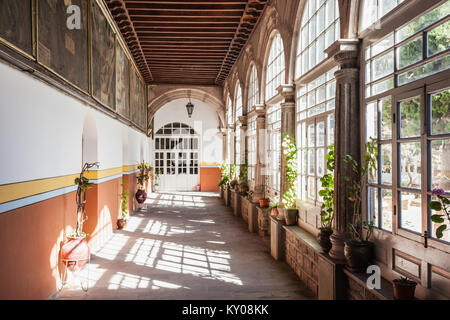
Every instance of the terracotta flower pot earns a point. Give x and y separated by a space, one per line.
275 212
141 196
121 223
404 290
75 252
290 215
323 238
281 214
264 203
358 255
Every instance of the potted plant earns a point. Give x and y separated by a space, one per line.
225 180
404 288
273 207
122 222
290 196
234 181
265 202
358 250
243 183
442 204
142 178
327 209
75 252
250 195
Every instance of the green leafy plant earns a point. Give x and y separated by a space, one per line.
442 204
250 195
357 183
327 192
290 152
83 185
273 203
243 174
124 197
233 178
225 180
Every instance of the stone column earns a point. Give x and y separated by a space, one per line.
347 136
243 155
287 126
260 178
224 143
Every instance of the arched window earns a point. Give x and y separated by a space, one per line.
275 75
238 102
253 88
374 10
319 28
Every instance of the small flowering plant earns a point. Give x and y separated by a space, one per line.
144 173
442 204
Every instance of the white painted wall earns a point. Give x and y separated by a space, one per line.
41 131
204 120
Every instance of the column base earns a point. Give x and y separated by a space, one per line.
337 249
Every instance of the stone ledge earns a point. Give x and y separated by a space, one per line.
385 293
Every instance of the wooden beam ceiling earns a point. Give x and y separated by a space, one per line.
192 42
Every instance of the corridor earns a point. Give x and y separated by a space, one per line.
186 246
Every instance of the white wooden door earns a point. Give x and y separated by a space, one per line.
176 157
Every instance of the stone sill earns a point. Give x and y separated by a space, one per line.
385 293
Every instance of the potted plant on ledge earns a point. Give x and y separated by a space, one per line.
273 207
440 205
142 178
225 180
327 209
404 288
234 181
75 252
358 250
243 183
290 196
122 222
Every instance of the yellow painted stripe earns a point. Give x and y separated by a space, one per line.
19 190
14 191
209 164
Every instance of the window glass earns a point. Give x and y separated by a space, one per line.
275 67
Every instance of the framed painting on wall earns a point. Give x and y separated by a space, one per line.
103 58
122 82
16 24
63 40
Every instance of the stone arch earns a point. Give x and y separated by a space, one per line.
194 93
349 18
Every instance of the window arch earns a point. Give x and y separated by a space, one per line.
275 73
238 102
253 87
373 10
319 28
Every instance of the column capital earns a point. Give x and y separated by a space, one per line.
243 120
345 52
231 126
287 91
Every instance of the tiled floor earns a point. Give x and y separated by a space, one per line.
186 246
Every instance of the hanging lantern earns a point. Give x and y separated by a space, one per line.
190 109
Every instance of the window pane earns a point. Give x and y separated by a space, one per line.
330 130
410 211
383 44
386 209
439 39
372 205
440 112
386 118
311 188
425 70
423 21
311 162
440 164
434 226
311 135
410 118
383 65
385 6
320 134
409 53
371 121
386 164
383 86
320 162
410 165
